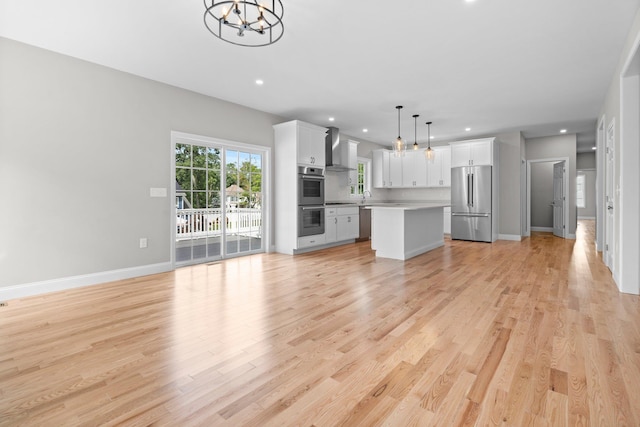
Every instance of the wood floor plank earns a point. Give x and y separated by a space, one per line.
509 333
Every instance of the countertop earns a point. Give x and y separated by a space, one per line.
404 205
407 206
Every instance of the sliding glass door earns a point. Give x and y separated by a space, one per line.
218 201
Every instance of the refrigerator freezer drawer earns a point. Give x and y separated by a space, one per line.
471 227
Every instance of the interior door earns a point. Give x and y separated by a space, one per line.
609 168
558 199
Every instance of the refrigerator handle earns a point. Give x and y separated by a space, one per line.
472 195
468 190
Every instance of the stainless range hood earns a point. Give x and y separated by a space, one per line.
336 153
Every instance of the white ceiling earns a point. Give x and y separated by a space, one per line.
492 65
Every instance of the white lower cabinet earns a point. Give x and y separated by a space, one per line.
447 220
309 241
341 224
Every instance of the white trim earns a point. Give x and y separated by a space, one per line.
571 236
600 184
512 237
586 217
566 192
544 229
65 283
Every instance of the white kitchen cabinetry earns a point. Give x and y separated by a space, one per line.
439 172
395 171
414 169
447 220
311 145
342 224
296 143
380 168
477 152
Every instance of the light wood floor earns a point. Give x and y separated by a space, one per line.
510 333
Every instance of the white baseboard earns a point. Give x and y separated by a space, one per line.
571 236
548 229
514 237
586 217
64 283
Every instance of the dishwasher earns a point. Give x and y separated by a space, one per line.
365 224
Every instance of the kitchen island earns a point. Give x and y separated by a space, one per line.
403 231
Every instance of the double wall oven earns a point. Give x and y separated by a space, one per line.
310 201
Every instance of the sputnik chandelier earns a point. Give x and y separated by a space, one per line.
245 22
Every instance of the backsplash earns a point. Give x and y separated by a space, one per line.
337 189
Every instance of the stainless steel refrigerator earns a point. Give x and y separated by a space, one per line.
471 203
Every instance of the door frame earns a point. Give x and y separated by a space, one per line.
609 242
600 184
194 139
566 191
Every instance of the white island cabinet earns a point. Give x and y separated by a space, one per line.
405 231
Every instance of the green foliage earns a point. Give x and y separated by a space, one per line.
198 171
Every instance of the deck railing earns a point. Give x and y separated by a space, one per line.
198 223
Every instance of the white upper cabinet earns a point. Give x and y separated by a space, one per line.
352 162
414 169
311 145
439 172
478 152
380 168
395 171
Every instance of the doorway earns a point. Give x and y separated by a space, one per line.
219 199
555 203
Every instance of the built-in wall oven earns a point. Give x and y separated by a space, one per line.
310 220
310 186
310 201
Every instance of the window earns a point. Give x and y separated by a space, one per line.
580 193
361 178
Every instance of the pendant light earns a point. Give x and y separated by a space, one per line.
245 22
398 145
415 131
431 155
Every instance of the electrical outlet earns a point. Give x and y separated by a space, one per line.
143 242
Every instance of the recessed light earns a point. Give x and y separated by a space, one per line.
259 82
469 1
563 131
593 148
331 119
365 130
431 137
467 129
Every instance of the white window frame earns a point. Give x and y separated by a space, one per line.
366 162
581 195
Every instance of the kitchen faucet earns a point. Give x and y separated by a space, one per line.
364 196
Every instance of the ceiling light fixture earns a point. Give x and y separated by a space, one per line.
415 131
259 82
398 145
365 130
593 148
331 119
467 129
429 152
563 131
245 22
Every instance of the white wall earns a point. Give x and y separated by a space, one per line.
586 161
80 147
